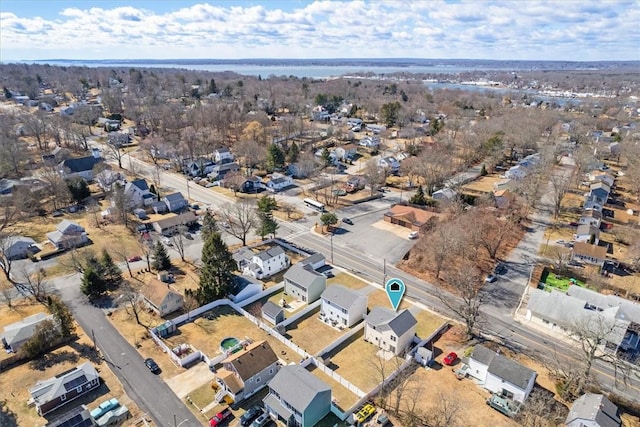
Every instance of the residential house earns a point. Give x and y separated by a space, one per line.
297 397
445 194
616 319
244 287
137 193
355 183
246 372
55 392
220 170
591 204
319 114
17 247
272 313
354 121
599 176
342 307
588 253
56 156
222 154
279 182
264 264
346 152
118 139
503 198
376 129
200 167
409 217
161 298
68 235
107 178
516 172
304 283
18 333
76 417
587 233
79 167
389 163
501 375
171 225
175 202
599 191
593 410
159 207
252 184
371 142
591 218
8 185
504 184
389 330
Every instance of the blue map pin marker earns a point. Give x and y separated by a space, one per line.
395 290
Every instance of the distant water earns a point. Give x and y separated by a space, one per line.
310 71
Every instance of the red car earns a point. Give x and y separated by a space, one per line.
450 359
134 258
220 417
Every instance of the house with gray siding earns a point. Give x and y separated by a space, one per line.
297 397
342 307
389 330
303 282
593 410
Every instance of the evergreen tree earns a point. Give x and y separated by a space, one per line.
275 157
7 92
161 260
112 273
212 87
78 188
62 315
268 225
216 276
483 171
326 156
292 154
209 225
267 204
418 198
93 285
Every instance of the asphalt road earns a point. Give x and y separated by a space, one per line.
149 392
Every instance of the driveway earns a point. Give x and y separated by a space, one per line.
194 377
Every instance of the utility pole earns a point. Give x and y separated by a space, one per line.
93 337
331 237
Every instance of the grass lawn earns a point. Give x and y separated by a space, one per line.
379 298
311 334
339 393
357 361
427 323
202 396
561 283
483 184
347 280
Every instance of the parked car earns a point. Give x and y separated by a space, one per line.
135 258
413 235
364 413
152 365
261 421
500 268
167 241
347 221
490 278
383 421
220 417
450 359
251 414
328 274
57 213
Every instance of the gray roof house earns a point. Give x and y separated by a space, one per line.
81 166
391 331
593 410
16 334
501 375
618 318
138 193
342 307
297 397
600 191
175 202
272 312
49 395
68 234
303 282
587 233
16 247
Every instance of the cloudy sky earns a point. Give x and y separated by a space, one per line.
579 30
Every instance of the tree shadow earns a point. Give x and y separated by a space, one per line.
51 359
8 418
86 351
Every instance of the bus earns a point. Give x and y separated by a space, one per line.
314 205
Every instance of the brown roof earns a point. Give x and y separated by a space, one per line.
252 360
593 251
156 291
182 219
232 382
415 216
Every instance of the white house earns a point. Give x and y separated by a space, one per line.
342 307
80 167
346 152
18 333
593 410
245 287
138 194
279 182
16 247
604 177
516 172
501 375
591 218
388 330
587 233
370 142
161 298
592 204
67 235
222 154
444 194
266 263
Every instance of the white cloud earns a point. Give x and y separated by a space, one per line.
571 30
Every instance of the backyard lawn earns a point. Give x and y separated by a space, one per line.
427 323
339 393
312 334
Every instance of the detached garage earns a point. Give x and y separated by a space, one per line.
17 247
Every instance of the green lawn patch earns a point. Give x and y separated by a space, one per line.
562 283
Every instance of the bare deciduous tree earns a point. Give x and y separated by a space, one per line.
178 240
560 183
240 217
